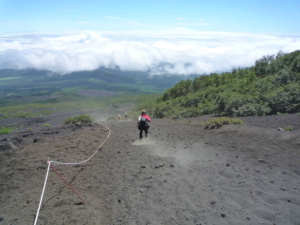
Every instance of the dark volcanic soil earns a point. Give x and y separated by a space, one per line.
181 174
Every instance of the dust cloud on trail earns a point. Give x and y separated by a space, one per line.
99 117
123 120
144 141
183 155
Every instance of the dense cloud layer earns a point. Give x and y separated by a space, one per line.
177 52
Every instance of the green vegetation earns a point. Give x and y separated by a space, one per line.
8 78
70 102
271 86
282 114
289 128
218 122
6 130
26 92
83 119
33 83
47 125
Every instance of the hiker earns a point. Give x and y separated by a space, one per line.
119 117
126 116
143 123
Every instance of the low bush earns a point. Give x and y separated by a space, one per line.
218 122
282 114
289 128
83 119
251 109
47 125
6 130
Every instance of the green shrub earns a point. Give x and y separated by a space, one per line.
83 119
233 103
289 128
282 114
47 125
218 122
284 99
6 130
29 129
251 109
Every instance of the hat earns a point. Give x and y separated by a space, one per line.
143 111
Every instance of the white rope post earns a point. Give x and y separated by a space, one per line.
38 211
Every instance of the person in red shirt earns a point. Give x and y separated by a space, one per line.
143 123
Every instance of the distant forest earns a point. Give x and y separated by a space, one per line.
271 86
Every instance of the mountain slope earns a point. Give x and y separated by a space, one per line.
271 86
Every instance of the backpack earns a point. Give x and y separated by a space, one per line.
143 122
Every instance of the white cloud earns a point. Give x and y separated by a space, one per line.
178 51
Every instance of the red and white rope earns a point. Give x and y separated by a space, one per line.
49 164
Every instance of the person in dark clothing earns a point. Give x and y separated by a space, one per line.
143 123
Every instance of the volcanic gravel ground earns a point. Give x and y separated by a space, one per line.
180 174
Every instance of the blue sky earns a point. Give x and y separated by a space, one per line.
219 15
210 36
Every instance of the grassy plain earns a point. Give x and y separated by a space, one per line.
32 93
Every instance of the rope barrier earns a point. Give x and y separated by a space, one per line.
38 211
61 163
67 184
49 165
